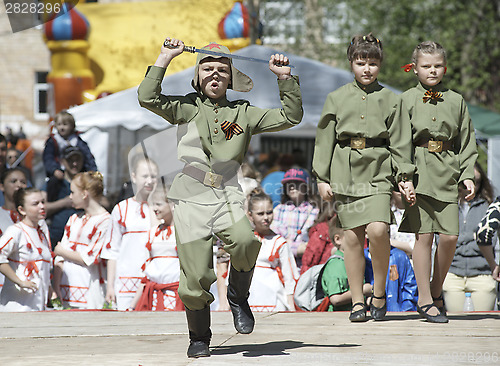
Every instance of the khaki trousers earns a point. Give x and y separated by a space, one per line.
195 226
482 288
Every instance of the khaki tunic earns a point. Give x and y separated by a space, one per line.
201 210
355 110
438 174
201 140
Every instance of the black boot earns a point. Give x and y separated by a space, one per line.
237 296
199 332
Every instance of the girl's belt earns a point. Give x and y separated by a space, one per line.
435 146
359 143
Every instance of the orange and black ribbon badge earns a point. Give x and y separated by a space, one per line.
231 129
432 96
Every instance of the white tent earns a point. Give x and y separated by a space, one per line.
114 124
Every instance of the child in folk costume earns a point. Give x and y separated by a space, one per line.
25 256
359 147
445 151
78 272
129 226
295 215
276 273
213 137
11 181
159 288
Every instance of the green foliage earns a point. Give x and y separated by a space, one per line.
469 31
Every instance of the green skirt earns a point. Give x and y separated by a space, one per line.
428 215
358 211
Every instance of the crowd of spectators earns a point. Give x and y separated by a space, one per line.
105 251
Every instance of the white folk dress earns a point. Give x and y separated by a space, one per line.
27 250
161 271
83 287
126 237
275 275
7 218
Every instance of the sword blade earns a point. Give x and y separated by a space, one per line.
233 56
219 54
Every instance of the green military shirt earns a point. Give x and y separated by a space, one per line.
356 110
438 173
202 141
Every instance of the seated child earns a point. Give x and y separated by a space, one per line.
296 213
334 279
401 286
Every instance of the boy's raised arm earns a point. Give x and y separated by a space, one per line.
168 53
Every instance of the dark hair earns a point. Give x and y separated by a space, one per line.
257 195
285 198
334 228
326 212
428 47
485 190
249 171
20 195
90 181
72 150
367 46
65 116
3 138
9 171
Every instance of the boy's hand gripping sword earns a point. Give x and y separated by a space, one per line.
193 49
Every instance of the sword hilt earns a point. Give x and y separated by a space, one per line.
186 48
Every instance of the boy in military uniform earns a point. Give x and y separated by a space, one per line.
213 138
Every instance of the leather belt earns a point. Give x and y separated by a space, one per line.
359 143
435 146
207 178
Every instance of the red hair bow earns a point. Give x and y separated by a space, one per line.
407 67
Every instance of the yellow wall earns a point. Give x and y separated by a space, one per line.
126 37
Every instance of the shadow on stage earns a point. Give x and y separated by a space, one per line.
277 348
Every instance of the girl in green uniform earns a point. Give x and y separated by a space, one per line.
359 150
444 151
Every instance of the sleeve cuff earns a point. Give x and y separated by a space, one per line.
155 72
289 84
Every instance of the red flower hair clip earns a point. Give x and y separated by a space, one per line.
407 67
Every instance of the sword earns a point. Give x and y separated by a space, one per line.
193 49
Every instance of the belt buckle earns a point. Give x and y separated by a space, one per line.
358 143
212 180
435 146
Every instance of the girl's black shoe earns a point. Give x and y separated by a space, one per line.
358 315
378 313
424 312
441 308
